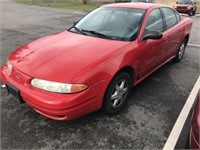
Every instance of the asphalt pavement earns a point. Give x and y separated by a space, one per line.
145 123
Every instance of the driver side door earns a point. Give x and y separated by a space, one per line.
152 52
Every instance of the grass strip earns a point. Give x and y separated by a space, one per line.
63 4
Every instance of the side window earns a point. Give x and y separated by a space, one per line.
177 16
155 21
170 17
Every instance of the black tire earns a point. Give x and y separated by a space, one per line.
181 51
117 94
190 13
194 12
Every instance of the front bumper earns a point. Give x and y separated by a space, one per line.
53 105
183 10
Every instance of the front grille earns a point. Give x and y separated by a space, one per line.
181 7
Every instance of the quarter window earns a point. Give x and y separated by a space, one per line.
155 21
170 17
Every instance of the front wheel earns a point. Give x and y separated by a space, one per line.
194 12
181 52
117 94
191 13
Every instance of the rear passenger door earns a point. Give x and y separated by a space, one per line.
173 30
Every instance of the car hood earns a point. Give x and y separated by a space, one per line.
60 57
183 5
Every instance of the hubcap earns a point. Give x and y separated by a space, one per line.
181 50
119 93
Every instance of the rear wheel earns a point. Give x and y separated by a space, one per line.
117 94
181 52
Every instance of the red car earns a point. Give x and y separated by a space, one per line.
187 6
194 139
95 63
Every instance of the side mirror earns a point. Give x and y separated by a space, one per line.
154 35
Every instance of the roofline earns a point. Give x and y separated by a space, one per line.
125 5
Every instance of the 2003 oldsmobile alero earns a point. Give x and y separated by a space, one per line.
95 63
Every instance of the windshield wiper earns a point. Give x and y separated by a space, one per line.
78 30
98 34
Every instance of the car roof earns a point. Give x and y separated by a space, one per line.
133 5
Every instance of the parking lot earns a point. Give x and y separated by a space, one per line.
145 123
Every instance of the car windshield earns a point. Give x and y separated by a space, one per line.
185 2
111 23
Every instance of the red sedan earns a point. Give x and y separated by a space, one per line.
187 6
194 141
95 63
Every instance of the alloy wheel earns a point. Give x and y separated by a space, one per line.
119 93
181 50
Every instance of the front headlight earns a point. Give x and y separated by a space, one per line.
9 65
189 7
57 87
